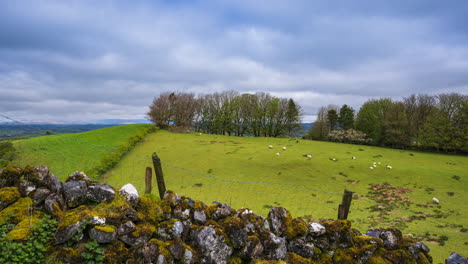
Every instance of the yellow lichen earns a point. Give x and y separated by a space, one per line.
293 258
115 253
149 210
295 227
262 261
9 195
162 247
16 212
106 228
24 228
337 225
112 210
235 260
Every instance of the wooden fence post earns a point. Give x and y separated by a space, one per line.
159 175
148 179
343 208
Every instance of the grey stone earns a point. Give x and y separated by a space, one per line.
102 236
80 176
40 175
422 247
54 184
455 258
170 230
100 193
75 193
132 241
253 248
40 196
214 248
199 217
177 249
26 187
276 218
96 220
54 204
130 193
274 246
126 228
301 248
391 238
316 229
67 233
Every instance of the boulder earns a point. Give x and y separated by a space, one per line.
315 229
39 176
100 193
130 193
40 195
214 248
75 193
252 249
103 234
301 248
54 204
26 187
126 228
455 258
80 176
199 217
277 218
68 232
54 184
274 247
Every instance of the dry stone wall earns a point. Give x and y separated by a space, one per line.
140 229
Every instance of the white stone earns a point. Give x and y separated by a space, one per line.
316 228
130 192
96 220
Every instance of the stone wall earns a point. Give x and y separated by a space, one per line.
140 229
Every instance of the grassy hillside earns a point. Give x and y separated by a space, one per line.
244 172
87 151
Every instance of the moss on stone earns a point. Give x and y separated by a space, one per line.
235 260
162 247
16 212
75 215
199 206
113 210
144 229
210 210
165 206
263 261
293 258
9 195
362 240
295 227
149 210
106 228
115 253
337 225
24 228
10 175
325 259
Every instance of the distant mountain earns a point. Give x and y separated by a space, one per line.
122 121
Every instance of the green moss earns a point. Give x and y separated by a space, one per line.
149 210
165 206
362 240
75 215
199 206
295 227
261 261
144 229
337 225
106 228
325 259
293 258
235 260
115 253
210 210
342 256
24 228
232 223
17 212
57 211
162 247
317 251
11 175
9 195
113 210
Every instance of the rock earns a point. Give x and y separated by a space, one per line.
177 249
213 246
455 258
54 204
181 213
40 196
277 217
80 176
134 240
253 248
422 247
26 187
274 247
8 195
199 217
170 230
391 238
172 197
222 211
103 234
54 184
236 230
301 248
316 229
130 193
39 176
126 228
75 193
67 233
96 220
100 193
10 176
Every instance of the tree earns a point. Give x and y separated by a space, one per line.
332 117
395 126
370 116
346 118
293 117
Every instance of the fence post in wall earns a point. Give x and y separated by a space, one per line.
159 175
148 180
343 208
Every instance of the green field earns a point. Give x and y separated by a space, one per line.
67 153
244 172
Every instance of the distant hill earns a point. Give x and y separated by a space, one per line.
13 131
122 121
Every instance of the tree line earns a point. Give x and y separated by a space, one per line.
430 122
227 113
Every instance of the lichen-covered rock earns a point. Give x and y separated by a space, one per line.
455 258
391 237
172 197
75 193
17 211
54 184
40 195
277 218
80 176
274 247
214 248
126 228
422 247
103 234
38 175
140 236
181 252
65 234
54 205
300 247
100 193
236 231
26 187
170 230
96 220
316 229
8 195
253 248
130 193
10 176
199 217
218 211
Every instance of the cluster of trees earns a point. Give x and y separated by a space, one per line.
7 153
228 113
422 121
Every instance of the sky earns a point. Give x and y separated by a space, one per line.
81 61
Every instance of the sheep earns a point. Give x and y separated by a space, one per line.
333 159
388 167
199 134
374 165
277 153
378 162
284 148
371 168
309 156
270 146
435 200
353 157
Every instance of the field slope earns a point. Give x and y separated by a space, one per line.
66 153
244 172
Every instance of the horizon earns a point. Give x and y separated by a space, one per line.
84 61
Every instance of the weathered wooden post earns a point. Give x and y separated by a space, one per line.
148 179
343 208
159 175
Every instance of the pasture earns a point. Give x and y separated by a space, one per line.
245 172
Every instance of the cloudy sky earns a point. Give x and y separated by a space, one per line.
80 61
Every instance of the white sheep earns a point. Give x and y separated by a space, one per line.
199 134
270 146
284 148
353 157
378 162
277 153
333 159
371 168
435 200
375 163
375 166
388 167
309 156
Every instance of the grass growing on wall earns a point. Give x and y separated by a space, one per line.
313 187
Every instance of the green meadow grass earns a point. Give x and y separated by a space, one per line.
244 172
67 153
